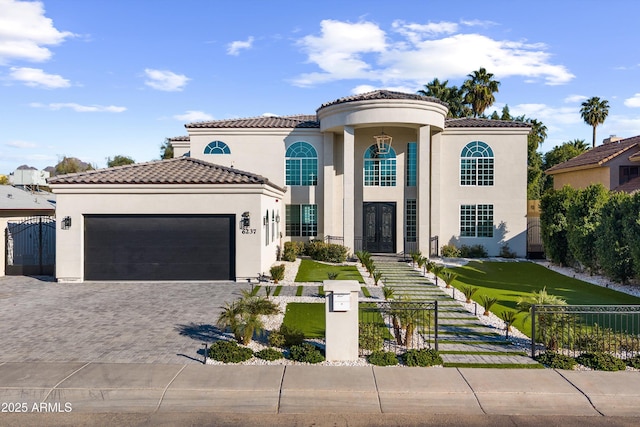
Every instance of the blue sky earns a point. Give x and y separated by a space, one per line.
98 78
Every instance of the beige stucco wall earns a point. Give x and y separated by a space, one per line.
508 194
583 178
253 254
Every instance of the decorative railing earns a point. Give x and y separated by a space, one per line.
575 329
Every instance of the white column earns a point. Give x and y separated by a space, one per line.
424 189
348 199
328 185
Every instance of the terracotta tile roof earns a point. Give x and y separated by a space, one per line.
470 122
382 94
276 122
597 156
181 170
630 187
180 138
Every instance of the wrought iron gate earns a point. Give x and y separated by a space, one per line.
31 247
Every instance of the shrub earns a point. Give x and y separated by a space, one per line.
601 361
332 275
277 272
424 357
286 336
468 292
634 362
269 354
306 353
556 361
326 252
506 252
370 337
475 251
487 303
377 275
383 358
243 316
229 352
450 251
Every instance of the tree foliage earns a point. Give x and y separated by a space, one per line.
631 230
594 112
554 206
166 150
4 180
583 219
479 90
119 160
452 95
613 250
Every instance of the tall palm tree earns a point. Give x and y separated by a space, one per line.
479 89
452 95
579 145
594 112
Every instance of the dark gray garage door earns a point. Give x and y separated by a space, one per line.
159 247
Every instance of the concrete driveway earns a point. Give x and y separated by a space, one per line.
151 322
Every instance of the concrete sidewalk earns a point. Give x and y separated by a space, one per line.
95 388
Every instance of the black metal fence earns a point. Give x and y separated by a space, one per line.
398 326
31 246
575 329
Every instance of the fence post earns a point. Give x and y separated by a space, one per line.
435 334
533 331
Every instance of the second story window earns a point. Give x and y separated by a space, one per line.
217 147
301 164
476 164
379 169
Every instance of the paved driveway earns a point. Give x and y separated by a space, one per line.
41 320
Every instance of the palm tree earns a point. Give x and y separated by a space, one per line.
579 145
479 89
594 112
452 95
243 316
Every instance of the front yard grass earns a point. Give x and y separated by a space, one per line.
312 271
309 317
507 281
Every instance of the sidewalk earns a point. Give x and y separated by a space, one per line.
156 388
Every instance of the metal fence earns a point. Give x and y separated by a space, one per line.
30 246
575 329
398 326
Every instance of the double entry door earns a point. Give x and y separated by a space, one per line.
379 223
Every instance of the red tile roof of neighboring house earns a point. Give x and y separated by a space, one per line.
597 156
630 186
181 170
180 138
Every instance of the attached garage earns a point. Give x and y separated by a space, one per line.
180 219
159 247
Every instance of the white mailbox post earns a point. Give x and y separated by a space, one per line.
341 327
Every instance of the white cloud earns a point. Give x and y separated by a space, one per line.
363 50
633 102
575 98
21 144
165 80
235 47
25 32
193 116
78 108
36 77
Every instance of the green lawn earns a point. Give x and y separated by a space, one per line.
312 271
507 281
310 318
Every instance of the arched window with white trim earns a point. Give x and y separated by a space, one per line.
301 164
476 164
380 167
217 147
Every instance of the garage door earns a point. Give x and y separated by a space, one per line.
159 247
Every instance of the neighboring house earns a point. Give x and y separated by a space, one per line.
614 164
16 207
383 171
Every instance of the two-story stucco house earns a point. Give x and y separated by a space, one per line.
384 171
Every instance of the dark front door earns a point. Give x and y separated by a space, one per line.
379 223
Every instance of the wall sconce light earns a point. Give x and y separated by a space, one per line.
245 222
66 223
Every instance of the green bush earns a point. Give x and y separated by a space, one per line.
383 358
424 357
450 251
292 250
306 353
601 361
506 252
269 354
634 362
277 272
286 336
475 251
370 337
229 352
556 361
326 252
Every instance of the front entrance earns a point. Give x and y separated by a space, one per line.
379 223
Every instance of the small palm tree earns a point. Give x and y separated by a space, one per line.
387 292
377 275
487 303
508 317
449 277
415 257
468 292
243 316
549 328
437 271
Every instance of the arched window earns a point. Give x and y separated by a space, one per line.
476 164
217 147
380 169
301 164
